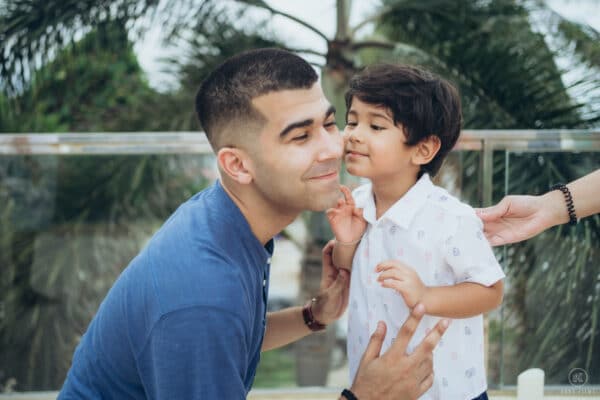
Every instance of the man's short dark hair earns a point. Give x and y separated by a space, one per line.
422 102
224 100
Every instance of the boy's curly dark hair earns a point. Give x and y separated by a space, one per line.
422 102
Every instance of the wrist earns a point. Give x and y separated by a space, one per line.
348 395
556 213
348 243
427 298
310 318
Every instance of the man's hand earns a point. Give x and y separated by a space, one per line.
335 285
396 375
395 275
347 222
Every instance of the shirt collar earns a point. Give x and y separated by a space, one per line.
403 210
243 227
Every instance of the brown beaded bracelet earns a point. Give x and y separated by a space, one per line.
309 318
569 200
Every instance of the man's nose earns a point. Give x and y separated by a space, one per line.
331 146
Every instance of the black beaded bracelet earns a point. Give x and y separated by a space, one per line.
569 200
349 395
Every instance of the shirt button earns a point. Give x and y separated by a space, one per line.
269 260
264 282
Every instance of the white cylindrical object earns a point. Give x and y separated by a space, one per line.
530 385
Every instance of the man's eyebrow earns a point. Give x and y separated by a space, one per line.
330 110
305 123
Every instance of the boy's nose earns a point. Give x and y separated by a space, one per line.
353 137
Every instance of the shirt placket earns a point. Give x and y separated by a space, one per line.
374 303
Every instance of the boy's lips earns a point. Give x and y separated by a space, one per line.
354 153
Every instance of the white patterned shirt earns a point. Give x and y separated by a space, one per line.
442 240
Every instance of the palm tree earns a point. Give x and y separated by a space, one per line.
503 54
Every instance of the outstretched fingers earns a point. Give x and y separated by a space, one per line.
432 339
398 348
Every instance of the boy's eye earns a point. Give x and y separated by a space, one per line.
351 123
329 124
377 127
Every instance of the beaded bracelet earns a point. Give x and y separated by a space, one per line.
349 395
569 200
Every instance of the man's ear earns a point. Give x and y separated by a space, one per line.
426 150
236 164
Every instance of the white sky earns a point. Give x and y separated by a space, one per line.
321 14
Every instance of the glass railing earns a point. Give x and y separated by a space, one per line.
75 208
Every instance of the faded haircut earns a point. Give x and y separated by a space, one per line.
224 100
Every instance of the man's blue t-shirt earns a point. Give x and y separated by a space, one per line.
186 319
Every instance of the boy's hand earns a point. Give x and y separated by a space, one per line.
347 222
396 275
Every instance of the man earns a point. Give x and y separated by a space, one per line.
187 318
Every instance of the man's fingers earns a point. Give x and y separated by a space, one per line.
432 338
328 271
375 343
340 282
328 248
407 331
426 384
426 366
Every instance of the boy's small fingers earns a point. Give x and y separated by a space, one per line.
348 195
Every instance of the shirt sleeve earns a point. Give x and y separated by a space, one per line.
195 353
469 254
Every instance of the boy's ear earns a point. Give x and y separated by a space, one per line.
426 150
236 164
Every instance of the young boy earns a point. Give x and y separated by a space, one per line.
416 243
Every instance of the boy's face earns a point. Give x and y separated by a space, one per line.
297 157
374 146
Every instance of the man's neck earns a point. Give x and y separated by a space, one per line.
265 220
387 192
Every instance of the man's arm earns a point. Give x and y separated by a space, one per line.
284 327
287 326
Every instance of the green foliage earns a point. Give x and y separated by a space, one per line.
73 223
506 72
276 369
505 67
